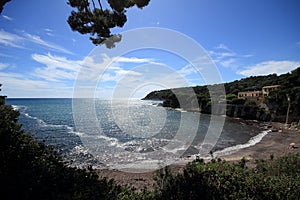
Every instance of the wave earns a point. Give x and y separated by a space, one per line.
122 157
15 107
253 141
71 130
180 110
19 107
42 123
112 141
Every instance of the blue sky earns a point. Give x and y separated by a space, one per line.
42 57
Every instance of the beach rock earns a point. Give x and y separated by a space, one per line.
294 125
274 130
190 151
268 126
146 150
130 149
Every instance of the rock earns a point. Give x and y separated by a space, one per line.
146 150
294 125
131 149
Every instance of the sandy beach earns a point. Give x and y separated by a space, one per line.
274 143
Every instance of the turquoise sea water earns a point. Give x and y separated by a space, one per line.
122 133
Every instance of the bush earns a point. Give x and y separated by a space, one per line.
271 179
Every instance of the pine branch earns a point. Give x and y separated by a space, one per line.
100 5
94 4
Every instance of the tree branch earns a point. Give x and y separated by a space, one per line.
93 4
100 5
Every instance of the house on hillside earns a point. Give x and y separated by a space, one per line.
258 95
250 95
267 89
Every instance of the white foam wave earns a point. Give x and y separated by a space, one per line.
72 131
80 149
15 107
180 110
253 141
18 107
41 122
180 148
45 124
111 141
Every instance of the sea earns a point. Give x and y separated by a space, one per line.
130 134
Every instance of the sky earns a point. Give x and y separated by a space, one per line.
40 56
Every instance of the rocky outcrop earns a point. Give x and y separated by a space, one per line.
247 112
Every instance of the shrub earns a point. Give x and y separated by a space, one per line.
271 179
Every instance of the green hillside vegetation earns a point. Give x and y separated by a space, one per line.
275 105
31 170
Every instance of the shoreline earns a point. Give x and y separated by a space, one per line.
273 143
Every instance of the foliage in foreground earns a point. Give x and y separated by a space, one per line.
271 179
2 3
87 18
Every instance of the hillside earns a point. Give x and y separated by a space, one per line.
272 107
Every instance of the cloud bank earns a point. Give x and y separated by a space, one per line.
270 67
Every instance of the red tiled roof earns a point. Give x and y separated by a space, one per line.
271 86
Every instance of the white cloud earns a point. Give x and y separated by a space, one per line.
16 41
52 74
55 75
187 70
90 68
149 76
49 32
224 47
104 74
19 85
9 39
55 68
3 66
228 63
270 67
109 68
226 57
221 55
37 40
118 74
7 17
127 72
57 62
193 72
132 60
